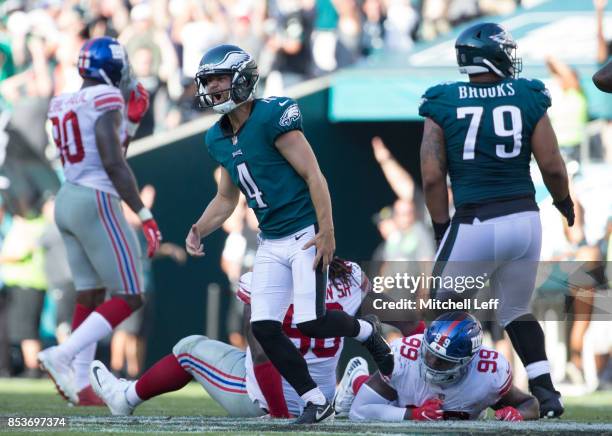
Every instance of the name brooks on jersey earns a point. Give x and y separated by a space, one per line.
501 90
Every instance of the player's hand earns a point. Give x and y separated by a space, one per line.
153 235
193 243
325 243
431 410
439 231
566 207
508 413
600 4
138 103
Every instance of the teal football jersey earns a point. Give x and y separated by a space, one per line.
277 194
487 130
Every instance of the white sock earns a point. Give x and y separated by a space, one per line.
365 330
81 363
94 328
132 396
536 369
314 396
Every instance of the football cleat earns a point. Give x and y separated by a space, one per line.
110 389
378 347
344 396
551 405
60 372
87 397
315 413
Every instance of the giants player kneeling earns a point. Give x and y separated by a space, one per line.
444 373
244 384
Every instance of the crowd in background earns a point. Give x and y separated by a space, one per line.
292 40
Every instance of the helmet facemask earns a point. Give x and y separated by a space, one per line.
440 369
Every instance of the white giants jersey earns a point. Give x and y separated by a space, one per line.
73 117
321 355
488 378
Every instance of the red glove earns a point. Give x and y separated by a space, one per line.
508 413
138 104
430 410
153 235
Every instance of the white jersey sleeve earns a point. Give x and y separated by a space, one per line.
73 122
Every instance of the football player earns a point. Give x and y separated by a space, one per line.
483 133
92 128
243 383
444 373
262 151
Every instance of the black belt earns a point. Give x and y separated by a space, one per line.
466 213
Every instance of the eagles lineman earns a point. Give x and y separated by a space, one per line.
483 133
262 152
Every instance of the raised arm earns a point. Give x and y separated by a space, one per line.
433 172
398 178
602 47
295 148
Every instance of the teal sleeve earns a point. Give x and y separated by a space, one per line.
432 104
540 98
285 117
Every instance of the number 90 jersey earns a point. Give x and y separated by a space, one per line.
73 122
321 355
487 130
487 379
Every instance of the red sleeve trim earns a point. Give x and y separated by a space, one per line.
506 386
109 100
243 296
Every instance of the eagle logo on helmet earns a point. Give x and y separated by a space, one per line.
503 38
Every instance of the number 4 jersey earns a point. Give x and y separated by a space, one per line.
487 131
321 355
73 118
488 378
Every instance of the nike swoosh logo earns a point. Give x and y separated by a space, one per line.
318 415
95 372
297 237
283 103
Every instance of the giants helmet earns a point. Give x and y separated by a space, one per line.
227 60
449 344
105 60
487 47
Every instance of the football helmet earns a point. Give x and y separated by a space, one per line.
487 47
448 346
227 60
105 60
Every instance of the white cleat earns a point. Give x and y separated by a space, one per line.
110 389
344 396
61 373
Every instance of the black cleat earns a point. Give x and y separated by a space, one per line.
315 413
550 401
378 347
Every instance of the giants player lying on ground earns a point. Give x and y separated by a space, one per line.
444 373
243 383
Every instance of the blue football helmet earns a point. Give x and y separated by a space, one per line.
448 346
105 60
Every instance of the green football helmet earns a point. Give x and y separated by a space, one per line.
487 47
227 60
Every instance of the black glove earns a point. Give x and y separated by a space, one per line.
439 230
566 207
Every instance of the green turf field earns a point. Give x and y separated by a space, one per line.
191 410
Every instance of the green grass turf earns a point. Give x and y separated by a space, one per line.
192 410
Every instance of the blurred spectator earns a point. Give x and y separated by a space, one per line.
5 346
400 25
373 32
569 113
348 48
22 262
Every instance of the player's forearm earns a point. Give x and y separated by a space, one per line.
557 182
603 78
321 201
125 183
215 214
436 198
